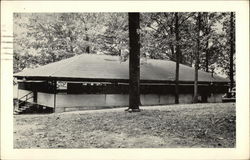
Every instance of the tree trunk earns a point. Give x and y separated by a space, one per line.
87 40
181 59
195 100
177 58
71 41
53 57
71 46
232 50
207 32
172 52
207 58
134 61
120 52
171 44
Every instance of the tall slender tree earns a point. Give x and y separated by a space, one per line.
207 32
134 62
195 99
232 50
177 58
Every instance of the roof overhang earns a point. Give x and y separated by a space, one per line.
145 81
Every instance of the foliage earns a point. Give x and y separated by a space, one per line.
42 38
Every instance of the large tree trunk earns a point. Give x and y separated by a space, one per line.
195 100
134 61
232 50
177 58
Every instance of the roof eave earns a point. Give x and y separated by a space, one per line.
113 80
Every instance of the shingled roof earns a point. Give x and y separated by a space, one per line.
92 66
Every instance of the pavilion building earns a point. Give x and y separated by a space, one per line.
91 81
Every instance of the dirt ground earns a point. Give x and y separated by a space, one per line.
171 126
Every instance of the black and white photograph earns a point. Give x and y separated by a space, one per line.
120 80
174 71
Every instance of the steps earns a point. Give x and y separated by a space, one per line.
31 108
24 106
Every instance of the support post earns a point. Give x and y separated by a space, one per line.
55 89
35 96
35 105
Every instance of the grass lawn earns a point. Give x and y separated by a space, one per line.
170 126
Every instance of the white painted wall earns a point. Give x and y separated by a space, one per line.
76 101
215 98
15 91
45 99
185 98
167 99
150 99
117 100
102 100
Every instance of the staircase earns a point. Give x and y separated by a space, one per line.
23 106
